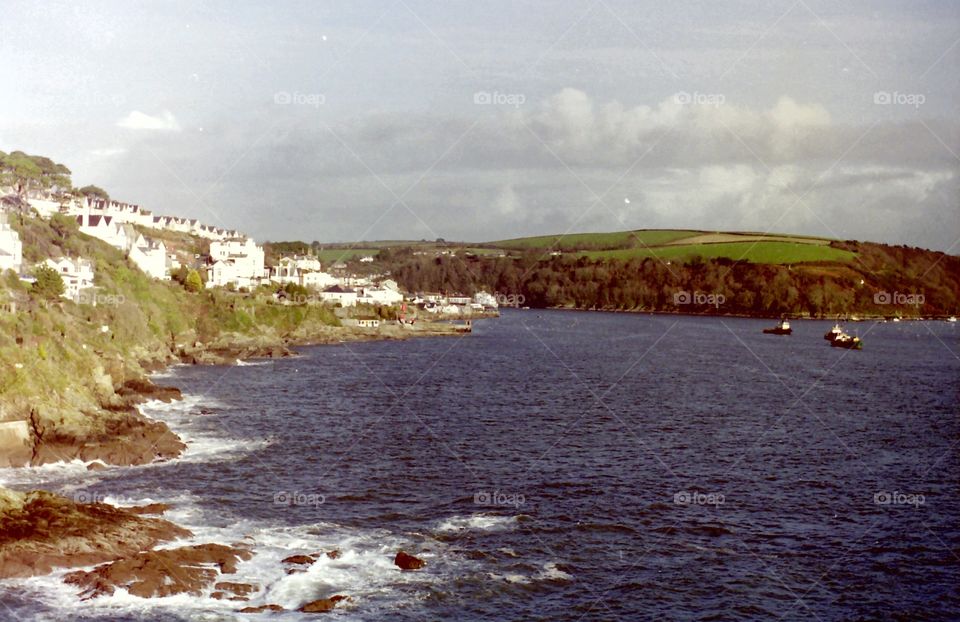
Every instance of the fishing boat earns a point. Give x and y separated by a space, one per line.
833 333
844 340
782 328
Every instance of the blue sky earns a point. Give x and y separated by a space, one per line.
343 121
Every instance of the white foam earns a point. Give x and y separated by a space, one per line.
479 522
550 572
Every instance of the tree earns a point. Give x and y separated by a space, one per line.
94 192
48 285
26 172
193 283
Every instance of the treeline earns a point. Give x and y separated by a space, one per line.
883 281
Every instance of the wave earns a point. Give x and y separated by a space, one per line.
478 522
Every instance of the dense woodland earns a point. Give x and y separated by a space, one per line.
721 286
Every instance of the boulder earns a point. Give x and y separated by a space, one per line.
322 605
408 562
300 559
262 608
150 508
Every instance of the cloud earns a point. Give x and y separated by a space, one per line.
107 152
137 120
563 163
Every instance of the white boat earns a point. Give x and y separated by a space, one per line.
952 318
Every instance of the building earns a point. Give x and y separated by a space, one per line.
236 261
11 248
380 296
150 256
77 276
104 228
337 294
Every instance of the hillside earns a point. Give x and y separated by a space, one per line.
753 274
683 245
72 373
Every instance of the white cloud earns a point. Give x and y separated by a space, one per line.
107 152
137 120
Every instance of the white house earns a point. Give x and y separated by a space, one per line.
11 248
380 296
150 256
104 228
301 270
337 294
77 276
237 261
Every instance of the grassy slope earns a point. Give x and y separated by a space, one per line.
648 237
755 252
57 360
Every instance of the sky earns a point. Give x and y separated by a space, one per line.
478 121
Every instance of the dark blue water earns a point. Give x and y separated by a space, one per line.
579 466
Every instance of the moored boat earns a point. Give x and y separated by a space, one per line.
844 340
782 328
833 333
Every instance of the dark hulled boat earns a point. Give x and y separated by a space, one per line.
783 328
844 340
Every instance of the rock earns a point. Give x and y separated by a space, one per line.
96 466
150 508
238 589
408 562
300 559
150 574
323 604
139 390
41 531
262 608
120 438
334 554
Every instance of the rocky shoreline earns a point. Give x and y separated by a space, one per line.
41 531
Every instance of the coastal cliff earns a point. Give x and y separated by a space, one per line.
72 374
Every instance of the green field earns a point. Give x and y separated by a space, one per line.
755 252
576 241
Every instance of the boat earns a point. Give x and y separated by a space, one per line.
833 333
783 328
952 318
844 340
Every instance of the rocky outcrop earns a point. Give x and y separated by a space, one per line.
406 561
300 559
262 609
323 605
140 390
124 439
150 574
40 531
